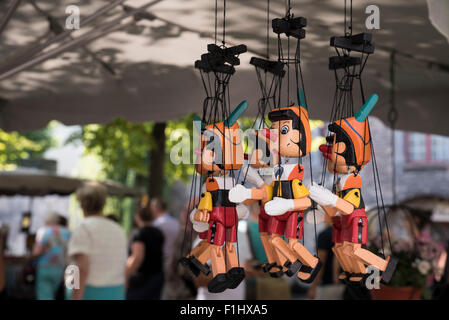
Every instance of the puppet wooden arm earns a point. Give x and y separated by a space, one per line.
302 204
239 193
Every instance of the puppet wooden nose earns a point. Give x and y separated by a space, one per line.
270 135
326 150
197 151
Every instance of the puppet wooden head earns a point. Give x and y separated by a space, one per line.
292 123
348 149
221 145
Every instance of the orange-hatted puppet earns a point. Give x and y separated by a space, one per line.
259 173
347 151
216 218
287 197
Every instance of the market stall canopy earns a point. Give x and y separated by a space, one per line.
42 184
143 70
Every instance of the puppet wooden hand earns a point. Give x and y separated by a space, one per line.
279 206
322 196
239 194
198 226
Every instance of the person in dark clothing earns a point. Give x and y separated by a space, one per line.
144 268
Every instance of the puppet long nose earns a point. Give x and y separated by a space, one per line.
270 134
326 150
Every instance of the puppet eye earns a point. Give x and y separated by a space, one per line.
284 129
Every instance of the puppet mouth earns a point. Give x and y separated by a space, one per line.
326 150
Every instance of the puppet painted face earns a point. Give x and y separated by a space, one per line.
292 126
289 138
333 152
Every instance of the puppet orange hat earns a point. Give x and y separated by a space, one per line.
228 134
355 133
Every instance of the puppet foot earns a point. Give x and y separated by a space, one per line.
308 274
292 268
219 283
266 267
236 276
204 268
189 267
391 267
358 278
276 272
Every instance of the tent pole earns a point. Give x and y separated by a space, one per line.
81 40
29 53
13 7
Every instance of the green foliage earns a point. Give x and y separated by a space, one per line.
124 147
15 146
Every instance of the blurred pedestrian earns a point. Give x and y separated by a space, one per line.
144 268
50 251
98 248
167 224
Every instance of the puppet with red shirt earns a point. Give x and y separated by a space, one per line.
287 197
347 151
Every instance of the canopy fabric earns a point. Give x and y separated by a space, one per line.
153 60
42 184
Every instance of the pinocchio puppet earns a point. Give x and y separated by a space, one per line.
260 174
216 218
348 151
287 197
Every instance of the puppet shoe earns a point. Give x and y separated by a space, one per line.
292 268
266 267
308 274
392 262
189 267
276 272
236 276
204 268
219 283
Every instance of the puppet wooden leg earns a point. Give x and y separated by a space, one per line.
204 255
268 247
311 264
200 248
369 258
217 260
195 261
231 256
293 264
358 268
342 260
220 280
235 273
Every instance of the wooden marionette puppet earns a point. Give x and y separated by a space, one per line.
216 218
287 197
260 174
347 151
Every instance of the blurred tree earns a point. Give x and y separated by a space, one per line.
127 148
15 146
